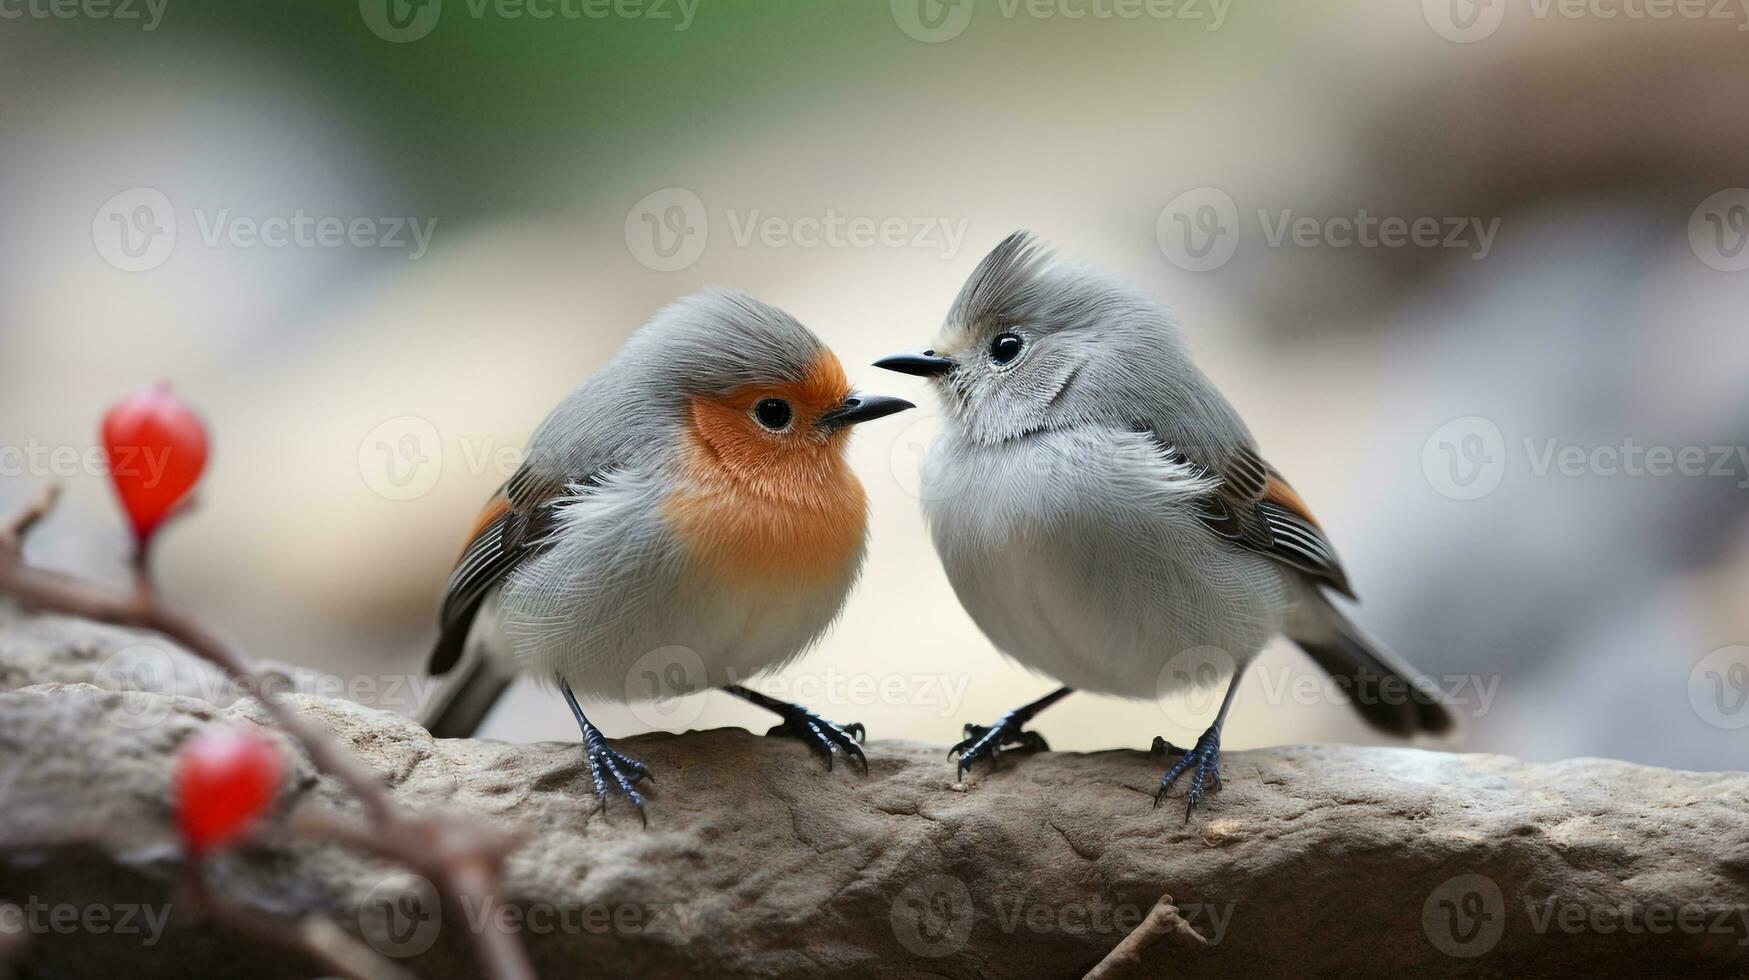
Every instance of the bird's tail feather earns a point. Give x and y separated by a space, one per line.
1390 695
462 702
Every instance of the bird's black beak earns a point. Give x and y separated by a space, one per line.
923 363
862 408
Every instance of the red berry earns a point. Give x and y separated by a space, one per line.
157 448
224 780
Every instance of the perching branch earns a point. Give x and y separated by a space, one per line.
461 857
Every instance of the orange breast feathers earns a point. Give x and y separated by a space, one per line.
757 503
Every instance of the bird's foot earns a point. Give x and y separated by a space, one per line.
614 773
1202 760
987 742
821 735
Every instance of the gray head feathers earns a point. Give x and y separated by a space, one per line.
709 343
1096 351
718 340
1004 286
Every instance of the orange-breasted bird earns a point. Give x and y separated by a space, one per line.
683 520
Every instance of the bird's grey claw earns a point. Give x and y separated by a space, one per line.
613 772
987 742
824 737
1205 756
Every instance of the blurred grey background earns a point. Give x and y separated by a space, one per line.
373 243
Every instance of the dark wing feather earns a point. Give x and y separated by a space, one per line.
512 529
1301 544
1254 507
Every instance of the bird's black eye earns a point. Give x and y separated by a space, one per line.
1005 348
773 413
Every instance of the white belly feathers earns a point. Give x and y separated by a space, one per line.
1078 554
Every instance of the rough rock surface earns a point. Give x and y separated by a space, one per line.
1315 860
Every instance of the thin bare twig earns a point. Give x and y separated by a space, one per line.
1163 922
316 937
462 858
13 533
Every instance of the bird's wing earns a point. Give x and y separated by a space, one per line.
512 528
1253 506
574 449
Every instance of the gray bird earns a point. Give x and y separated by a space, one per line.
683 520
1106 518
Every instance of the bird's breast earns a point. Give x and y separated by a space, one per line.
798 519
